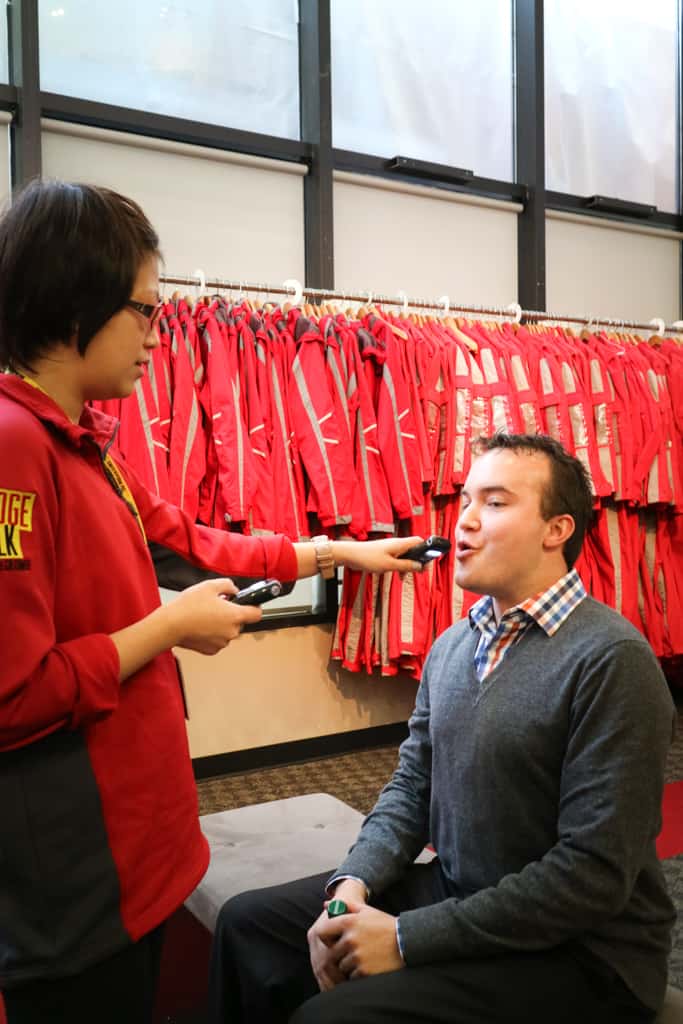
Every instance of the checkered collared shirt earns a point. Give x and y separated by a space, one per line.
548 610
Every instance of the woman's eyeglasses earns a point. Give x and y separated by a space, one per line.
152 312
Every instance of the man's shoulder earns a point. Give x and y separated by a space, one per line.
598 622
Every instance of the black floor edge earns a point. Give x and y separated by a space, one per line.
280 754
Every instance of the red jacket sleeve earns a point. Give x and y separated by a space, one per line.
218 550
44 685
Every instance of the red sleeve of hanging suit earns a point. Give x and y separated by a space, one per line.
421 353
598 385
651 596
481 421
579 422
372 488
160 379
551 396
645 413
318 429
674 372
625 422
411 351
524 394
670 541
186 440
139 437
461 407
576 378
660 486
344 395
288 482
396 427
504 414
229 439
262 500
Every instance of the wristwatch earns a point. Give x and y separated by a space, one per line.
324 556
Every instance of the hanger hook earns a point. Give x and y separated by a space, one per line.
515 311
297 290
201 278
404 299
658 324
446 303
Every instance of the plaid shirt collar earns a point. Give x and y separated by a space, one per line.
548 609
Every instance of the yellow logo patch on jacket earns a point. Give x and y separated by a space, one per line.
16 517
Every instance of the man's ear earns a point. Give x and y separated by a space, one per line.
558 531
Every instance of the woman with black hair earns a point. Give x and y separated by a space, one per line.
99 833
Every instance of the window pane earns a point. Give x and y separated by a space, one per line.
233 64
611 110
429 80
4 63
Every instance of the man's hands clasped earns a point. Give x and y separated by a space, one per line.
354 945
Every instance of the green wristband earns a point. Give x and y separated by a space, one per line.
336 908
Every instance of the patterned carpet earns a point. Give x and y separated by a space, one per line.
357 780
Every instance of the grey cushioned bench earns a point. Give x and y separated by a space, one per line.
266 844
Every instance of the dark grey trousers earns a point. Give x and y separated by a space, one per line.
261 974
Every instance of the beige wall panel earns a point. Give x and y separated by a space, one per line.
279 686
425 246
243 222
603 271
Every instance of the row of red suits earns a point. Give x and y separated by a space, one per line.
632 560
280 421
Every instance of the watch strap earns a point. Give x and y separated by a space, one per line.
324 556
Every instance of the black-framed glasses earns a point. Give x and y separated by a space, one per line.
152 312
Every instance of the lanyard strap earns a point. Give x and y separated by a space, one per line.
111 470
115 478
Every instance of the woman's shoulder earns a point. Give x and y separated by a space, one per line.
22 434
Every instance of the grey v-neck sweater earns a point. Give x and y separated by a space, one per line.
541 790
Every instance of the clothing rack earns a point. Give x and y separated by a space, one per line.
296 291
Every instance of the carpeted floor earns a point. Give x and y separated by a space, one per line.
357 780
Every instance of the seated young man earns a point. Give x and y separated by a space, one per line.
534 764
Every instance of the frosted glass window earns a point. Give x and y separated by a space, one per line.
4 53
429 80
611 74
233 64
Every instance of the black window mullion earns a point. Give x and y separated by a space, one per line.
175 129
569 203
530 151
377 166
315 90
315 93
24 72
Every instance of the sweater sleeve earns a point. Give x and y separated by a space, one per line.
232 554
609 813
396 830
44 685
